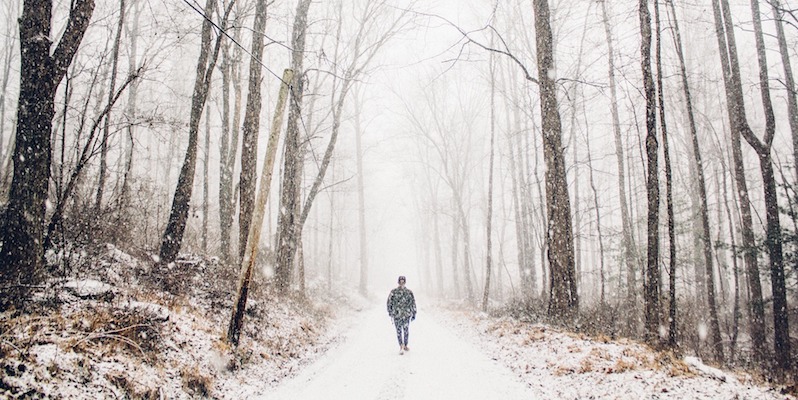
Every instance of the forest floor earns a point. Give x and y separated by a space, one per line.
112 334
467 355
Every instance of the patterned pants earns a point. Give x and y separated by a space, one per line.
402 330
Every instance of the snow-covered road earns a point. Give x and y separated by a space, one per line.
367 365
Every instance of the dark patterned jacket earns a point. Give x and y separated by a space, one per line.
401 304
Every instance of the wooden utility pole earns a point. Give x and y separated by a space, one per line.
253 237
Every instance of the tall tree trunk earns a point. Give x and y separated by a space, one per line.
564 297
289 226
331 237
205 186
228 147
361 206
677 38
521 233
123 214
107 124
455 257
251 129
627 242
526 261
436 240
464 226
21 257
488 266
703 208
789 80
773 239
651 297
666 159
576 163
602 271
733 242
173 234
543 244
736 109
225 174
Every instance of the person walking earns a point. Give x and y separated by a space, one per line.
402 309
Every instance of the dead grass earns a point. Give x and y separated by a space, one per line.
673 364
116 330
195 382
585 366
622 365
132 389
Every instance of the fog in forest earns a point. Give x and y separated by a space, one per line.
440 104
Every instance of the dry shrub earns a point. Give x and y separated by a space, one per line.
563 370
132 389
642 357
601 338
621 366
673 364
599 352
119 329
195 382
307 326
222 345
535 334
498 327
586 365
19 332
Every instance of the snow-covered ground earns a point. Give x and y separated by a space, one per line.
564 365
439 365
467 356
110 334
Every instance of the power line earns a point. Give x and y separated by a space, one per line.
224 32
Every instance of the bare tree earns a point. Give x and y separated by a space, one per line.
447 138
40 74
361 199
250 129
88 151
627 243
789 80
739 127
228 147
173 234
205 186
667 160
651 297
107 124
489 232
372 33
773 240
564 297
289 228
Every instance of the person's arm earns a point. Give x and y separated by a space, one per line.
390 304
412 305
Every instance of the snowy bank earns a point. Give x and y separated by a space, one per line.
108 335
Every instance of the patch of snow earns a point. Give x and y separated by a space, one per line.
564 365
159 312
88 288
708 371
